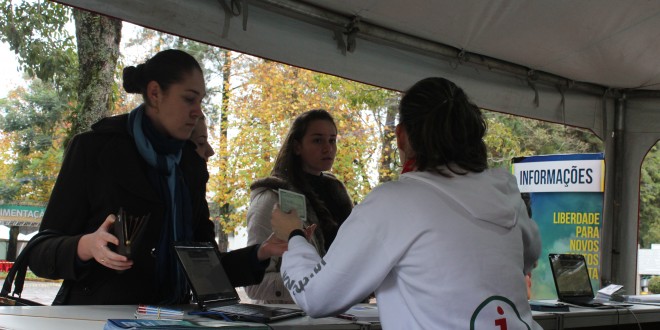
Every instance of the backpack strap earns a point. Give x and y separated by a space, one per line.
16 274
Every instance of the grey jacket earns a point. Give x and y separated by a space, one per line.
262 199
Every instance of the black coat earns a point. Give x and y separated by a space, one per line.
101 172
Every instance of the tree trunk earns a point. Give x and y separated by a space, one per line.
98 49
387 160
12 246
223 240
226 93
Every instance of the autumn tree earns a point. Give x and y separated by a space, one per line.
378 108
37 33
8 188
649 192
32 142
389 159
501 141
32 118
82 68
510 136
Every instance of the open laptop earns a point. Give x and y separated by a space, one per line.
214 293
572 282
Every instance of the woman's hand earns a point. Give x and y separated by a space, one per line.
272 247
284 223
95 246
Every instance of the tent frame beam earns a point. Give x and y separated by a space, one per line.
353 27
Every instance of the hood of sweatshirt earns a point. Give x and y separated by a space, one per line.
490 196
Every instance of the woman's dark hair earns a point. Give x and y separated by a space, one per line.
165 68
444 128
288 165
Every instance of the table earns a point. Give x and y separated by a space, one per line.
95 317
648 316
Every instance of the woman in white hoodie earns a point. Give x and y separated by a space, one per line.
444 247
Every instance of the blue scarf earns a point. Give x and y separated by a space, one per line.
163 155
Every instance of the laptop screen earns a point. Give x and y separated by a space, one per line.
571 276
207 277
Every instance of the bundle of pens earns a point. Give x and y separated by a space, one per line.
128 229
158 313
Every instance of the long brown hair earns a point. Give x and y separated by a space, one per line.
289 166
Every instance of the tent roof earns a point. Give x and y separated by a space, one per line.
610 43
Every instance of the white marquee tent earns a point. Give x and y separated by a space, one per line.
590 64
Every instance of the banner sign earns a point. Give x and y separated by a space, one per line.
560 176
23 215
566 196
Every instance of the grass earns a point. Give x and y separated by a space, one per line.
29 276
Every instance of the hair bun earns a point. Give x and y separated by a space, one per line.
133 79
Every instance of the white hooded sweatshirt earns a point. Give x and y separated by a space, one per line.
440 253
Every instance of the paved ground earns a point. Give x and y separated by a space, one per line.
45 292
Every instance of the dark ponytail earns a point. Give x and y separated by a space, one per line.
444 128
133 79
167 67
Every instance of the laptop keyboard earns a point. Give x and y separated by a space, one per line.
249 309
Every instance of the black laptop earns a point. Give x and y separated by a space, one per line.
214 293
572 282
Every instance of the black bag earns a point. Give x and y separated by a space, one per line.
16 274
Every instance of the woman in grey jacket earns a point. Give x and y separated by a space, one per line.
307 153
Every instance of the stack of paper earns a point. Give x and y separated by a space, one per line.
609 292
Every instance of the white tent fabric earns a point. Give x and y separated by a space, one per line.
4 232
27 237
591 64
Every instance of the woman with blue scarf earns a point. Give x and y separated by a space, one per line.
143 164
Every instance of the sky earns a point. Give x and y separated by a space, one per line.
10 77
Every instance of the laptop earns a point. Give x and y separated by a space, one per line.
572 281
212 290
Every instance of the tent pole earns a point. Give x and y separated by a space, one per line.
621 272
607 246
